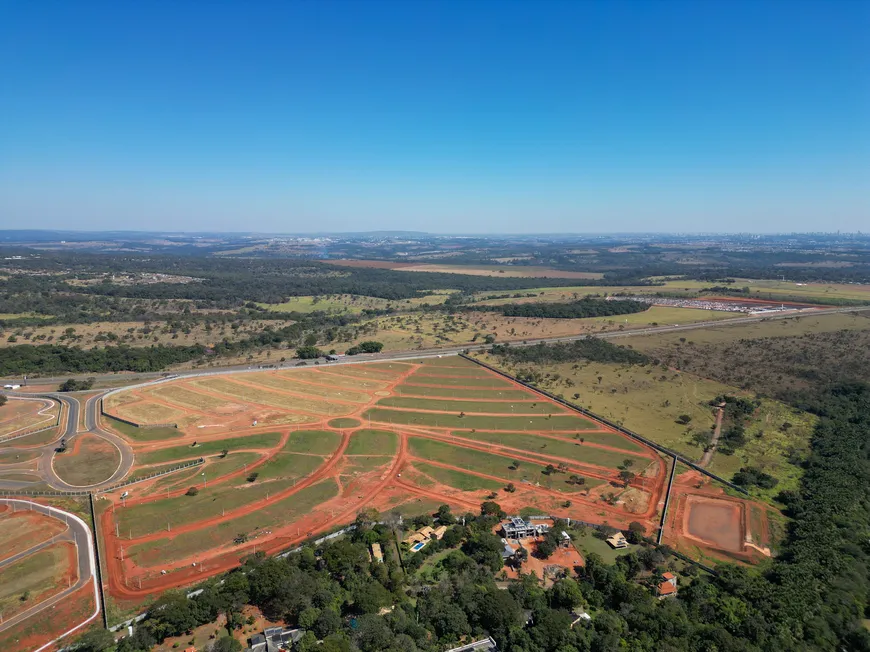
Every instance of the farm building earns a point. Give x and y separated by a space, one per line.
517 528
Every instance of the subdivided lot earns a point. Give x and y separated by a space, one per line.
288 466
139 520
572 450
373 442
491 381
89 460
17 457
256 395
35 577
276 514
318 442
451 392
528 406
147 412
260 441
141 434
490 464
364 463
336 378
466 370
20 531
33 633
36 439
19 416
455 422
371 371
149 471
179 395
288 384
458 479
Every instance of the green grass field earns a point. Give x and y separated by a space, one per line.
448 392
438 371
318 442
288 466
202 541
140 434
36 439
95 461
528 406
492 382
573 450
458 479
491 464
264 440
210 502
373 442
455 422
36 574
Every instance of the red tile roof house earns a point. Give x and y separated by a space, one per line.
668 586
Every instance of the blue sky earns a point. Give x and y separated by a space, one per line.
473 116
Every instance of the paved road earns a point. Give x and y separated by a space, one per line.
78 532
72 410
473 347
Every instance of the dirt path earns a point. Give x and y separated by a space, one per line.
714 443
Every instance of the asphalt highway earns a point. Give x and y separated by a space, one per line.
398 355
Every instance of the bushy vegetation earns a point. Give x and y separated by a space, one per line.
365 347
584 308
590 348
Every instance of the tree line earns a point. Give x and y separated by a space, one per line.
580 309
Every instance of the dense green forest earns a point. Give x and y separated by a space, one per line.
581 309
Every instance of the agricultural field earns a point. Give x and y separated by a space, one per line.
289 453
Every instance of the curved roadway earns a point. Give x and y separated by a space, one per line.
80 534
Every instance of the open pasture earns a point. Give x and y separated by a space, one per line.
372 442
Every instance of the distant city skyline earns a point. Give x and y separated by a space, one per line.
442 117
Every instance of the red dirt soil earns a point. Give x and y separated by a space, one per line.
384 490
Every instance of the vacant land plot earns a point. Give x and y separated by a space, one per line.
141 434
18 416
448 392
36 439
335 378
574 450
454 421
183 396
252 442
20 531
488 463
458 479
138 520
18 457
146 412
344 422
317 442
503 407
288 384
90 460
240 390
29 581
373 442
288 466
491 382
185 545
